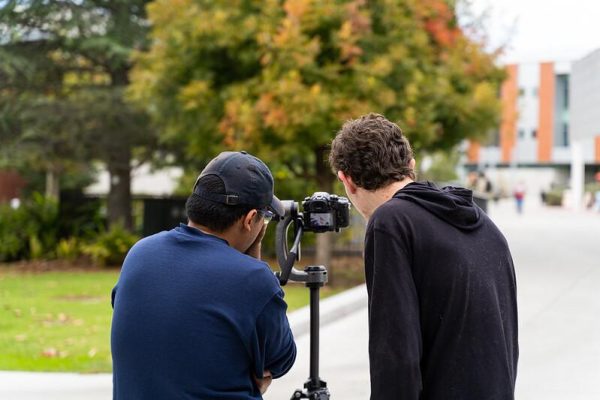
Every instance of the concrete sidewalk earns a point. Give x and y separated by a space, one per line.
54 386
557 258
343 363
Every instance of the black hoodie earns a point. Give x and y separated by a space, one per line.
442 299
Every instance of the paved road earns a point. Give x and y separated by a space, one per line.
557 255
557 258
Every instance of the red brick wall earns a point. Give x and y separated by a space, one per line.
11 185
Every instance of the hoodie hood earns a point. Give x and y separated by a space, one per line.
452 204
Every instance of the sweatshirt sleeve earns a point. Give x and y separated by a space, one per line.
273 345
395 343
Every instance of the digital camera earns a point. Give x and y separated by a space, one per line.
323 212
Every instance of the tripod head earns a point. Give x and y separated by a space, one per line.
322 213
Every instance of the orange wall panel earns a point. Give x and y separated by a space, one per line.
546 96
509 94
597 143
473 152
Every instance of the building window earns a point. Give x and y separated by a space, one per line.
564 79
534 133
534 92
521 133
565 133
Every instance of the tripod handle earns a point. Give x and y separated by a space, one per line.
285 258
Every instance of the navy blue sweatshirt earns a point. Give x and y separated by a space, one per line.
196 319
442 299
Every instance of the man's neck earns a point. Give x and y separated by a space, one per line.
374 199
208 231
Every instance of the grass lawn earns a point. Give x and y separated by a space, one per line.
60 321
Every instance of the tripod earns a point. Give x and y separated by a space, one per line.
314 277
315 388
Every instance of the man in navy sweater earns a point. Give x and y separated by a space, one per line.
440 277
197 315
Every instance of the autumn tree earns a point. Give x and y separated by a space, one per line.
64 67
278 78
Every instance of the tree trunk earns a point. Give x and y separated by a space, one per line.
119 168
325 181
52 184
119 196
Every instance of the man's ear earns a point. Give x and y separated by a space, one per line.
248 219
347 181
412 164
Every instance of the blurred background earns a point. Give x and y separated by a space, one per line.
110 109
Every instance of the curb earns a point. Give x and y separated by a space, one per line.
331 309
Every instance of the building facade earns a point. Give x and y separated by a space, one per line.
545 107
585 123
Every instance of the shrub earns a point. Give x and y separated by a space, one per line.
592 187
29 231
68 249
554 197
13 244
110 247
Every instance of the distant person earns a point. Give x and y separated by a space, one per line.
439 273
519 195
472 180
484 185
197 315
597 193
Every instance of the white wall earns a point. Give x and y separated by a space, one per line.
528 107
585 99
144 181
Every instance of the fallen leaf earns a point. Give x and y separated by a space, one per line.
50 352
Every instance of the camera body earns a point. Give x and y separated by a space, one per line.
324 212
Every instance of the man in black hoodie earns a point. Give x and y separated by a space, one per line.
440 276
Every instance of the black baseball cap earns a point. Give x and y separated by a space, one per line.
247 181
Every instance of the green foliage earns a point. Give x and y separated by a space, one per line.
64 68
29 231
42 214
68 249
442 168
110 247
554 197
592 187
36 251
12 238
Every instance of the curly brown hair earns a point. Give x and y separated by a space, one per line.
373 151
